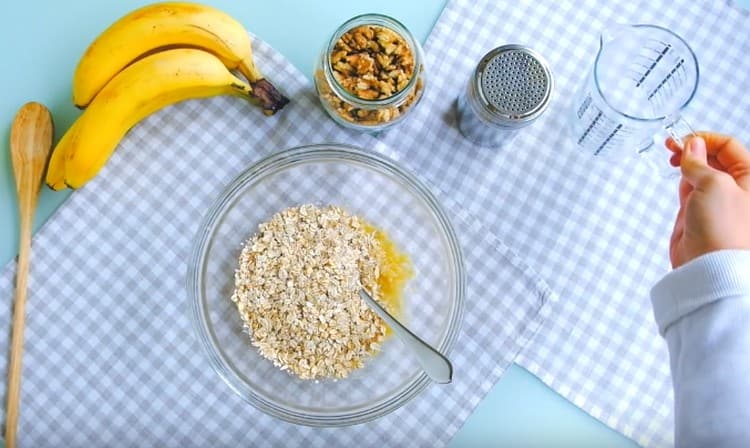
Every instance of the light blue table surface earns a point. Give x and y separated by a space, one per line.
41 44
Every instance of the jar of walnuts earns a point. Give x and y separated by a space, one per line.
370 74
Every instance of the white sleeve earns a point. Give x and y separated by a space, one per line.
703 311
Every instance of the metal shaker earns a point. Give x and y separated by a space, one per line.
509 89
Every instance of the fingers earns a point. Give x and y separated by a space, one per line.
725 153
676 148
731 155
675 158
719 143
672 145
694 164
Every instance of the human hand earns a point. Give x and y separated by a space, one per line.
714 196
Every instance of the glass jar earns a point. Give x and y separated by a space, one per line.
370 74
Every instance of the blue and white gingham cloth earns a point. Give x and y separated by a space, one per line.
596 230
111 358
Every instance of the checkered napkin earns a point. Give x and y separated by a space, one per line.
596 230
111 357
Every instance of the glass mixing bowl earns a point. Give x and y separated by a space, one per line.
364 184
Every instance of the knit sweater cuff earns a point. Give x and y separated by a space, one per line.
706 279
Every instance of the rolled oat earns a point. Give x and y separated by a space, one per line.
297 286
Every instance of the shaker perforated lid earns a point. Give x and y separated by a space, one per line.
514 85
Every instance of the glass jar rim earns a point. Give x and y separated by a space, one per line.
386 22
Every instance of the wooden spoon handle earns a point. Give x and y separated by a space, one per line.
16 349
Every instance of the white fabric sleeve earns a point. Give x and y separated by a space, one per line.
703 311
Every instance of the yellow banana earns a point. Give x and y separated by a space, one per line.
161 26
141 89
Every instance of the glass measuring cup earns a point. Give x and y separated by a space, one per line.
643 77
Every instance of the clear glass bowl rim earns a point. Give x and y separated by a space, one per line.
202 244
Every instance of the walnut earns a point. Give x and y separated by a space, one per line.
371 62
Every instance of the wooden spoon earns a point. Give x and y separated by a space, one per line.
30 144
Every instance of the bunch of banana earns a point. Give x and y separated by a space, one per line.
151 58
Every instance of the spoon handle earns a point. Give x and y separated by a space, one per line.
16 349
435 365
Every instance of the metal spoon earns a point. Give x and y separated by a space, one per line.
30 143
434 364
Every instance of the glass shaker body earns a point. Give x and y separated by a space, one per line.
509 89
476 124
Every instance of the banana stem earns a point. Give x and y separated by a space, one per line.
269 97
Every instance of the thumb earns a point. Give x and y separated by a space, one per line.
694 162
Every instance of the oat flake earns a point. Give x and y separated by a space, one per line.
297 286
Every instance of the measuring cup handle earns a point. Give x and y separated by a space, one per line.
657 156
679 129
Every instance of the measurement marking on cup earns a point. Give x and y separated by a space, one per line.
606 140
653 64
590 127
584 106
666 79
